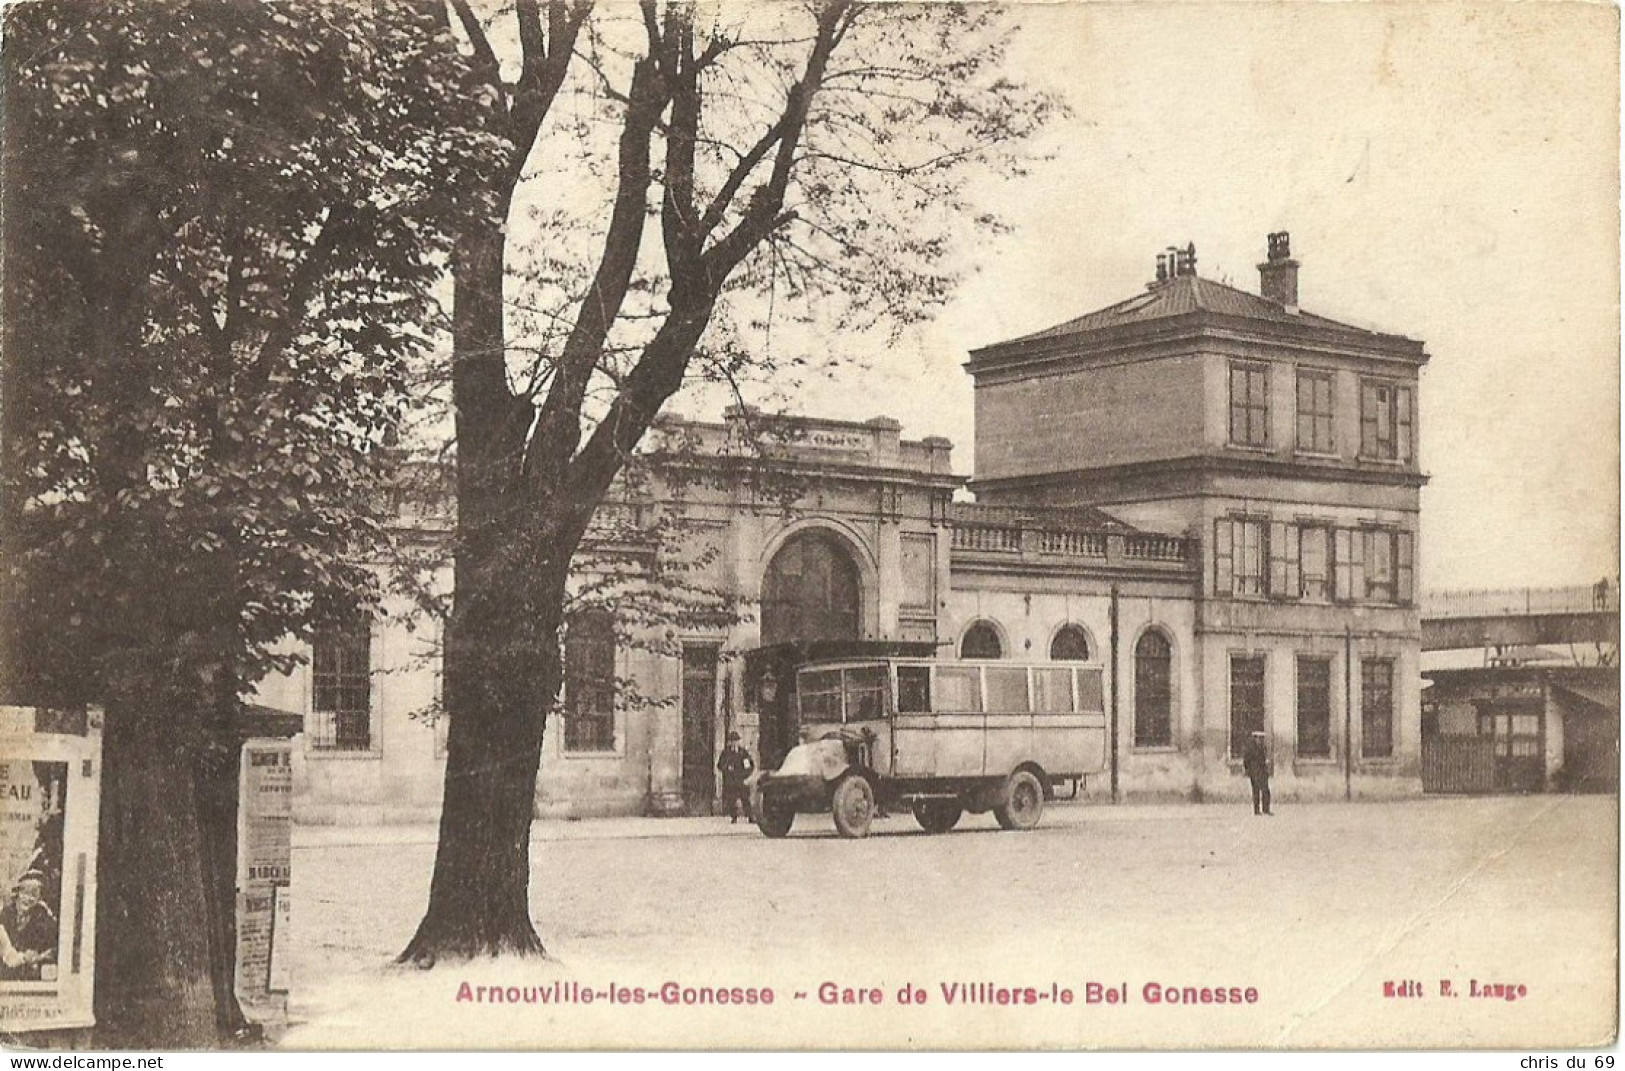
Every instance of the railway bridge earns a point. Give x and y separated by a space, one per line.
1507 617
1527 720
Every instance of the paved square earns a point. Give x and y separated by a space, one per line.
1315 909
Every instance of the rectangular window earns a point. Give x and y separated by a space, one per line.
1386 420
1246 699
1315 708
1238 556
1315 413
1249 405
1285 560
1377 708
1389 567
341 688
589 681
1315 556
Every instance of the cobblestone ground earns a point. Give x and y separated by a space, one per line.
1316 909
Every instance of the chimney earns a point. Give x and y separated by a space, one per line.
1174 263
1278 276
1162 271
1183 260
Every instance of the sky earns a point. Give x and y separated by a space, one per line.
1448 171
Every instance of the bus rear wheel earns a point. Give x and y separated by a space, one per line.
853 806
938 816
1021 802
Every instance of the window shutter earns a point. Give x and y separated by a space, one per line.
1278 582
1224 576
1404 568
1294 555
1238 406
1368 420
1342 578
1402 422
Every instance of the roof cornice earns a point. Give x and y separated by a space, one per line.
1198 325
1213 464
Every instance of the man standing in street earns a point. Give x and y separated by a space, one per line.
1255 763
735 765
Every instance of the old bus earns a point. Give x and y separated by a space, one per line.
935 738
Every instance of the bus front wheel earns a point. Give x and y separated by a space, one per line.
853 806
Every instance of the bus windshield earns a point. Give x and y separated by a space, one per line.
865 693
820 694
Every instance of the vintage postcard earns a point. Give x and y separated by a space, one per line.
536 524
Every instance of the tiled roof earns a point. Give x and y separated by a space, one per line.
1186 294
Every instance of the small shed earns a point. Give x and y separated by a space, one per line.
1521 728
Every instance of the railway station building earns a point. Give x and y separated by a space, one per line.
1210 494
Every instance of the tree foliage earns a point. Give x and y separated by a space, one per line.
224 227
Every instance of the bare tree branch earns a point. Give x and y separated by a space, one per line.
559 428
485 59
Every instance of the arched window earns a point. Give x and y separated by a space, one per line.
1071 644
811 591
589 682
1153 691
981 641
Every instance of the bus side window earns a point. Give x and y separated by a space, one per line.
1007 690
1052 690
913 689
1090 696
958 690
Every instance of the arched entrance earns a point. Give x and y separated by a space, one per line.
811 591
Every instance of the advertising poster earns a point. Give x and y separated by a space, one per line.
49 778
264 857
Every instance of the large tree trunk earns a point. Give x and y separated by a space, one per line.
500 652
159 902
499 683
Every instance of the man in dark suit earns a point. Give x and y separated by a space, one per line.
735 766
1255 763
